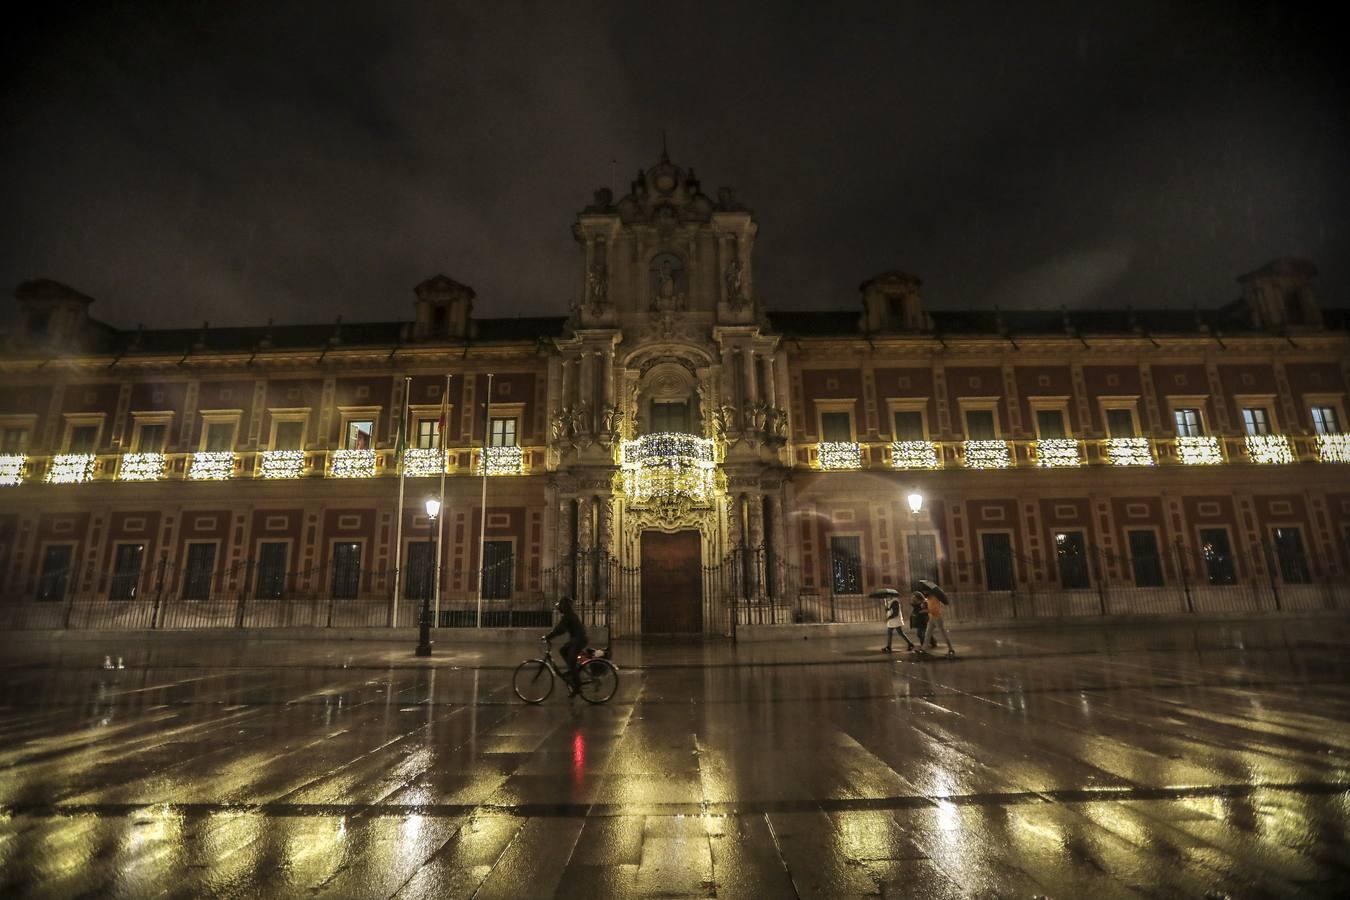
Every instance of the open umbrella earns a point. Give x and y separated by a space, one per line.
929 587
884 593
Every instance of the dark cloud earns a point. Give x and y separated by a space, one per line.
235 162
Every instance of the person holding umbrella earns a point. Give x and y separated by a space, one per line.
895 622
936 598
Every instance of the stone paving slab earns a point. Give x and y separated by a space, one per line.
1123 760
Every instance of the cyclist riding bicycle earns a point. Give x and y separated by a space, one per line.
576 640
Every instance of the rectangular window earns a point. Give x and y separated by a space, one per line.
1071 556
498 569
428 434
219 437
199 571
289 435
1120 423
1326 420
150 437
358 435
996 548
272 559
846 564
346 570
504 432
1144 559
1216 554
909 425
1256 420
83 439
14 440
55 576
1050 424
1188 422
980 425
922 554
126 574
421 570
669 417
836 427
1289 554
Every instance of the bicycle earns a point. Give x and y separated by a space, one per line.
598 678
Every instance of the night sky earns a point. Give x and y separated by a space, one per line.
235 162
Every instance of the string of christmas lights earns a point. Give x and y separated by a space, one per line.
1128 451
70 468
987 455
1269 449
667 466
141 467
11 469
419 462
1056 453
914 455
212 465
282 464
353 464
1333 448
1199 451
839 455
501 461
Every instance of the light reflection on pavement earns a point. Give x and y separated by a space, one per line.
1070 762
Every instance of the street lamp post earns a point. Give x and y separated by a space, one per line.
915 500
433 507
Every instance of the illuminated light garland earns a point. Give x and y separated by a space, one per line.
501 461
987 455
839 455
1333 448
11 469
70 468
1057 453
141 467
353 464
282 464
914 455
419 462
1128 451
1199 451
211 465
666 467
1269 449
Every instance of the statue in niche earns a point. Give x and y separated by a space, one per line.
666 273
735 282
597 286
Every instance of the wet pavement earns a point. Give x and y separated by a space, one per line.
1187 760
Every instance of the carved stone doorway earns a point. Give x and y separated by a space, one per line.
672 583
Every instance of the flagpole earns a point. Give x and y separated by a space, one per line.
440 522
399 446
482 501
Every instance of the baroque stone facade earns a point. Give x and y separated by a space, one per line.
1052 451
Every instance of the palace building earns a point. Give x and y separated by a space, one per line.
679 456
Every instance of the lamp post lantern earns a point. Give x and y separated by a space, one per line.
433 508
915 500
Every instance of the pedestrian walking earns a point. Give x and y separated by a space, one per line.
895 620
918 615
934 599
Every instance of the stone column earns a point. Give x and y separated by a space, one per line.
565 376
609 375
586 388
751 391
756 572
728 377
567 558
770 380
586 548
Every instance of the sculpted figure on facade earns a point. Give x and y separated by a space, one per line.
597 287
735 285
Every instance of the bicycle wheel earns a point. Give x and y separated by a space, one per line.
533 682
599 680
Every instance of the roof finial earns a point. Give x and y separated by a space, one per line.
665 157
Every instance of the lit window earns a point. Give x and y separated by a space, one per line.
1326 420
14 440
1256 420
846 564
428 434
219 437
150 437
359 433
1188 422
503 432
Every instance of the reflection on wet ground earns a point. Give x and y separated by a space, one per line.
1193 760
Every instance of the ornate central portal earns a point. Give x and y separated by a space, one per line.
672 590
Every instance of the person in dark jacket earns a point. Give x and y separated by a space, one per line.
895 623
570 623
918 616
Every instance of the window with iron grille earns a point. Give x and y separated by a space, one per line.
421 570
1071 556
846 564
55 574
996 548
272 559
1289 554
199 571
498 568
1216 555
922 554
346 570
126 574
1144 559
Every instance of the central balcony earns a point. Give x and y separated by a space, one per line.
668 467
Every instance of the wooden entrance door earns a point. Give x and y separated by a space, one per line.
672 583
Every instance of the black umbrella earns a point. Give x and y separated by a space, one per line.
930 587
884 593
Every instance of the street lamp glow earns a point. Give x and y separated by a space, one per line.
433 506
915 502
